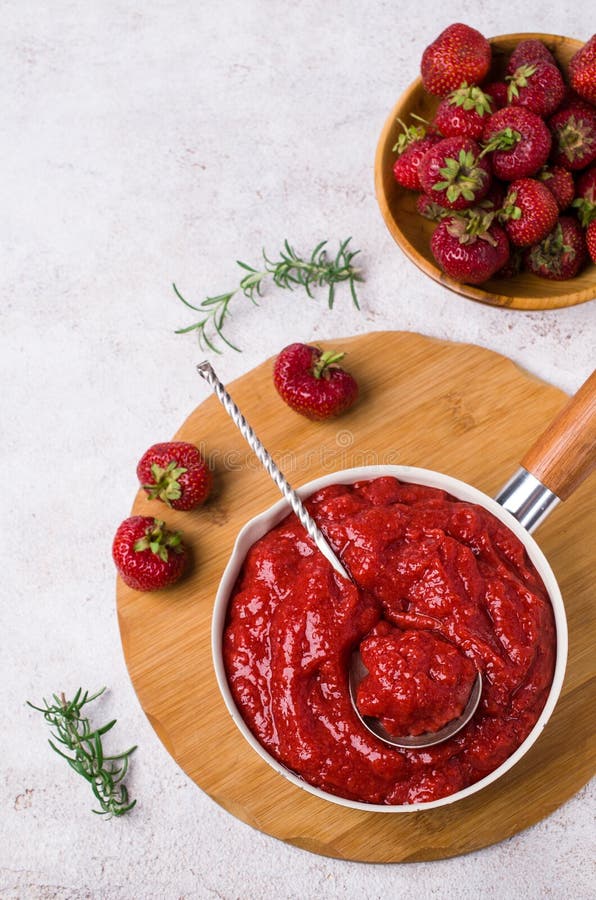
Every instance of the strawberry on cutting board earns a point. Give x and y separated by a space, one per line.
147 555
312 383
176 473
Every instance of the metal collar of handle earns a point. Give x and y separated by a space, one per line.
526 498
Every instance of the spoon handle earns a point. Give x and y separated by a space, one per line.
206 371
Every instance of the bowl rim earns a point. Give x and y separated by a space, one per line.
264 521
474 292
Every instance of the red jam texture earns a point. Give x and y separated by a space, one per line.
417 682
422 562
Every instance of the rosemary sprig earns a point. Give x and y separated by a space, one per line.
288 272
73 731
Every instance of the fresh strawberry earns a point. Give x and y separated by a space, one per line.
585 202
176 473
411 146
529 212
538 86
452 173
582 71
427 207
459 54
311 382
497 91
561 254
470 251
518 142
147 555
464 112
560 183
529 51
591 239
573 130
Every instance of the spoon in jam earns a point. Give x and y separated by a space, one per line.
358 672
357 668
206 371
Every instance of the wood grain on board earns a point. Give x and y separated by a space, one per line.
463 410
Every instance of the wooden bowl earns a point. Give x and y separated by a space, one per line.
413 232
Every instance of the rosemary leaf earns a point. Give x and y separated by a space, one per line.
73 730
287 272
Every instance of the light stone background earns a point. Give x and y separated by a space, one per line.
155 141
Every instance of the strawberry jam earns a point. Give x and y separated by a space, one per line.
417 682
442 589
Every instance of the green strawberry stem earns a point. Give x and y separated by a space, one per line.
505 139
462 177
586 210
549 251
575 137
327 360
470 97
472 226
159 540
409 135
518 80
166 486
510 209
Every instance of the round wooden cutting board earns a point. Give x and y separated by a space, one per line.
457 408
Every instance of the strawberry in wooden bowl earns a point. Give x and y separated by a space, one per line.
532 115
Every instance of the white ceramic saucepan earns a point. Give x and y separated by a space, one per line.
559 461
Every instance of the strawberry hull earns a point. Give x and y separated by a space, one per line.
561 254
573 130
175 473
453 173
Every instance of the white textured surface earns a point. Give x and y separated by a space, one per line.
151 142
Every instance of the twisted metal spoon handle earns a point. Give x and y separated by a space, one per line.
206 371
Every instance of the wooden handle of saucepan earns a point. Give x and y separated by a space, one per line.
565 454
